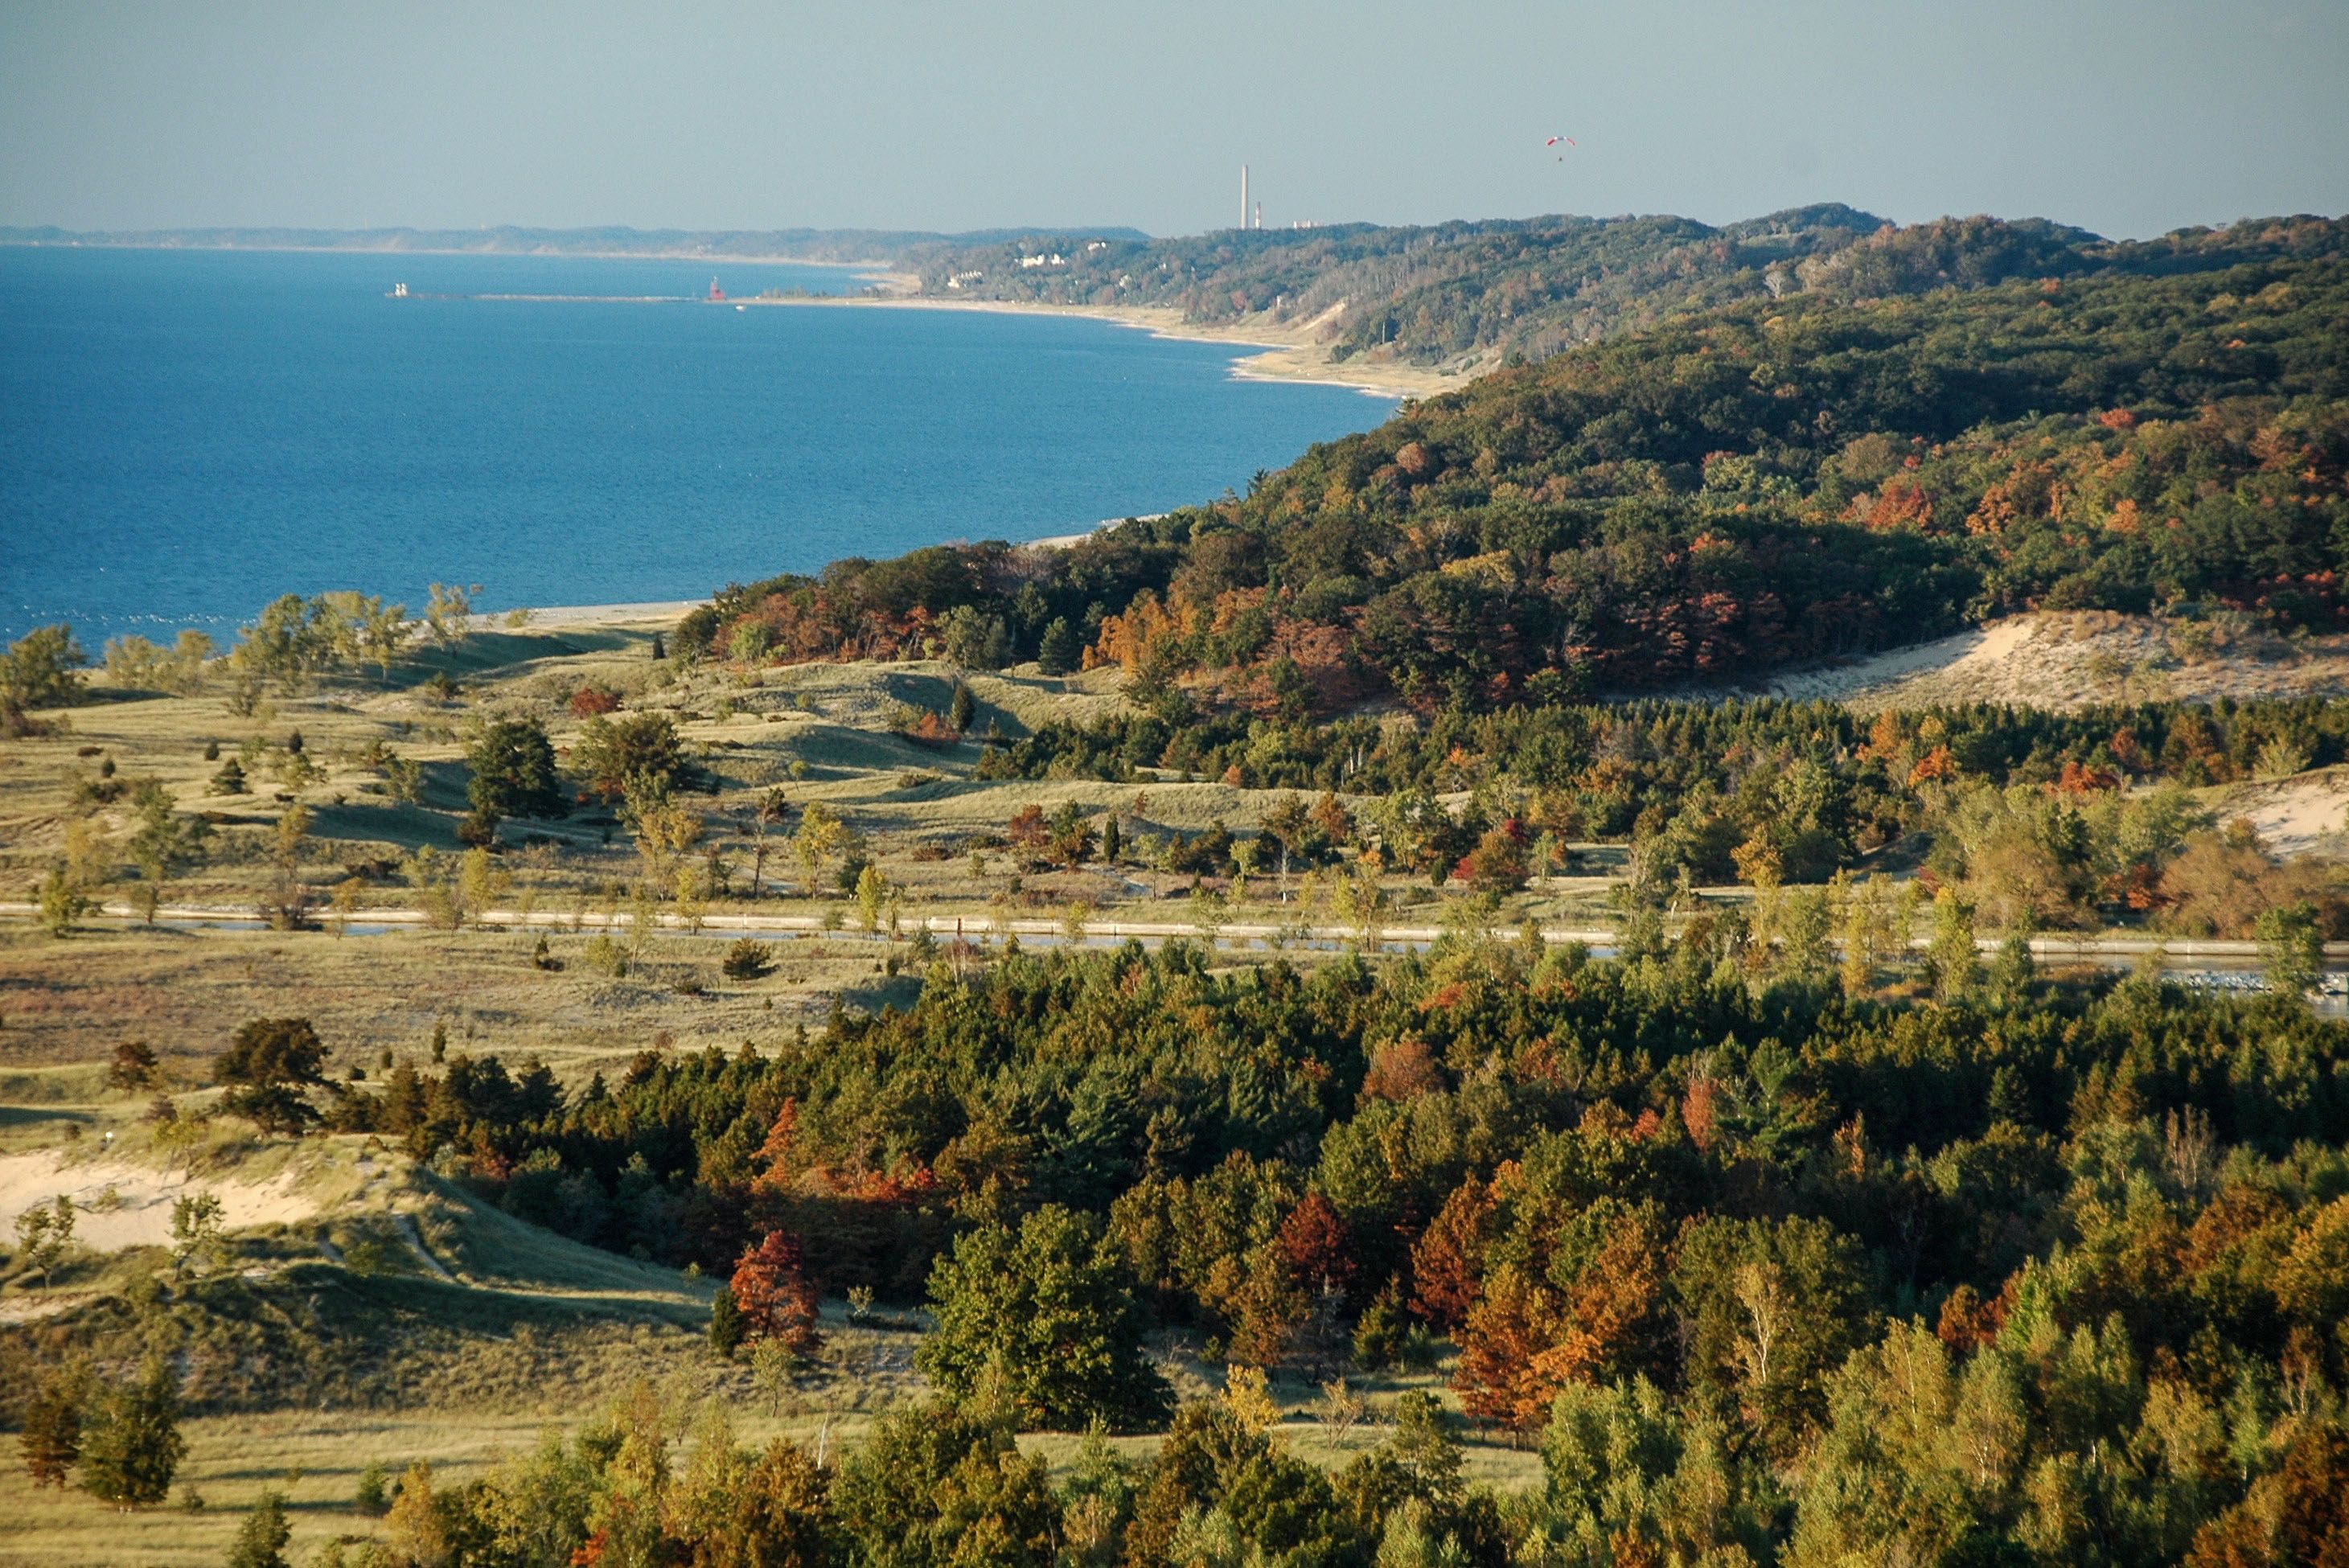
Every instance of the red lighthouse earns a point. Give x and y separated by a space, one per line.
717 295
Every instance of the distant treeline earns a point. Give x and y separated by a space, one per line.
1527 288
2025 814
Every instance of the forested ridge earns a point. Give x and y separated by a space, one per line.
1527 288
1766 483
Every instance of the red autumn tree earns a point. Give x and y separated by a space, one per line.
1314 1244
775 1294
1514 1324
1497 863
1697 1112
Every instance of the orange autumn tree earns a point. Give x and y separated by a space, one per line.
775 1294
1595 1313
1448 1259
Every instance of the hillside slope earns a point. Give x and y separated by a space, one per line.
1770 483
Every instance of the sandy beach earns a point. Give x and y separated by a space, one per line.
560 617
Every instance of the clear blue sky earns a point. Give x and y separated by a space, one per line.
2128 117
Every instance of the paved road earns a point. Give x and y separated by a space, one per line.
2176 953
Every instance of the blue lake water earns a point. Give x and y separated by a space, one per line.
185 435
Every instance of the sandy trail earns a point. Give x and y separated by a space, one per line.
138 1213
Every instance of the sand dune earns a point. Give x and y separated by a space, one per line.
137 1213
2071 659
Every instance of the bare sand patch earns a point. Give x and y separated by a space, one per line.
2298 816
118 1204
2065 660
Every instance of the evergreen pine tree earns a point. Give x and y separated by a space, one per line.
963 709
51 1439
1057 654
725 1325
261 1541
134 1447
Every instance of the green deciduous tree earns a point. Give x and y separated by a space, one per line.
195 1229
1774 1307
39 670
2292 948
1956 963
729 1505
637 759
45 1234
61 902
163 843
935 1488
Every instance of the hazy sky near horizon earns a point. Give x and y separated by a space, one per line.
2127 116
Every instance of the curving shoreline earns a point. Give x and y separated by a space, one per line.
1286 353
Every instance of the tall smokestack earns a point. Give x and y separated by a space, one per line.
1243 201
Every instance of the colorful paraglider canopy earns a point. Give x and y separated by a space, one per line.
1554 141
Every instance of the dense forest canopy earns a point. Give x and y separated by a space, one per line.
1772 1276
1772 481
